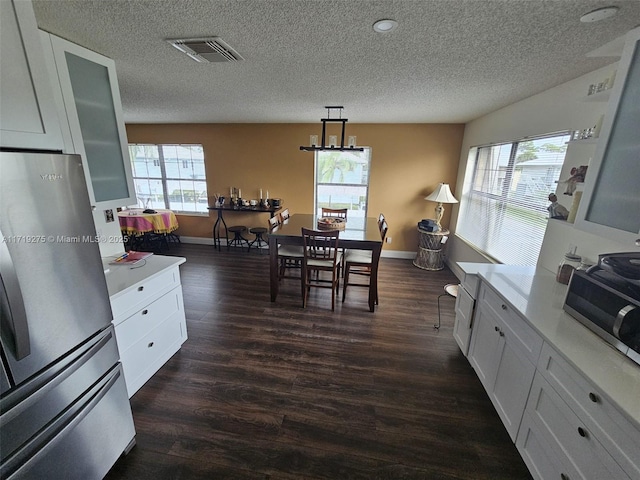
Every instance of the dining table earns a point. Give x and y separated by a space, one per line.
138 226
359 233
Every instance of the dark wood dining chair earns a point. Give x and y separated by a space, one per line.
321 254
289 256
359 262
284 215
337 213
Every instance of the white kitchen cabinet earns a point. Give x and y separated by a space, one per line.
504 351
581 418
92 107
611 199
566 437
541 460
463 321
148 314
465 304
28 118
594 413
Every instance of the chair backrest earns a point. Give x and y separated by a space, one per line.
383 230
380 220
274 222
320 244
335 212
284 214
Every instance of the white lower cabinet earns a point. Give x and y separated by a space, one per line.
149 319
540 459
464 316
563 425
503 352
596 414
564 436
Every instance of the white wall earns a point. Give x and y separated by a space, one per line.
109 233
557 109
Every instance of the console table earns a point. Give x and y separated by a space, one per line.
430 254
229 208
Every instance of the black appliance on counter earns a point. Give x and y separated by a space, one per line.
606 299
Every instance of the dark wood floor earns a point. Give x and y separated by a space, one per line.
265 390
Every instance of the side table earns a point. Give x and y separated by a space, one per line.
430 254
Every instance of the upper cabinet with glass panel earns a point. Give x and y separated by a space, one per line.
91 97
610 206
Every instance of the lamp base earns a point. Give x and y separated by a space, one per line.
439 214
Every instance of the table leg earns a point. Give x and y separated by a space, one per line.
273 267
217 243
373 281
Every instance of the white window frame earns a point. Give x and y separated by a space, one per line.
164 179
482 213
362 207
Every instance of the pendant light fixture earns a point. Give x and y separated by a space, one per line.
333 142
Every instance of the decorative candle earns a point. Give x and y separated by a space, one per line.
267 193
230 192
313 140
239 193
261 194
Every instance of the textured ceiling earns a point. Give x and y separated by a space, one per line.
448 60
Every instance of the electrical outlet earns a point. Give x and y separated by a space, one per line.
388 239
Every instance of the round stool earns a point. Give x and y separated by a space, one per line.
237 239
258 232
450 289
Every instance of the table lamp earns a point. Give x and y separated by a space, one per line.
442 194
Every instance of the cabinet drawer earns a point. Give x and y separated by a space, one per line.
471 283
619 436
539 456
143 321
142 293
568 435
147 355
516 330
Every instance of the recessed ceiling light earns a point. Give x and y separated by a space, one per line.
599 14
385 26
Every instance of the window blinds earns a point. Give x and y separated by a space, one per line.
503 209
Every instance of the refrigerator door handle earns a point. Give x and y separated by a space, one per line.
42 443
14 314
36 389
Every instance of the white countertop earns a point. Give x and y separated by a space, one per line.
121 277
539 298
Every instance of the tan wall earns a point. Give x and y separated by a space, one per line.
407 163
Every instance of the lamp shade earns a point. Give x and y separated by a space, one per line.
442 194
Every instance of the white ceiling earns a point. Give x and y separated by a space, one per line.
448 60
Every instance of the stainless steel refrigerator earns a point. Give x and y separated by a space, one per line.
64 410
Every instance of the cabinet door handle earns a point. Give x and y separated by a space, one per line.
150 345
563 477
145 311
497 329
593 397
501 333
141 288
582 432
504 307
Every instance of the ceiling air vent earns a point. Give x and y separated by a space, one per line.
204 50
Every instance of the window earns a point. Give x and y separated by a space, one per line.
342 181
503 209
170 176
